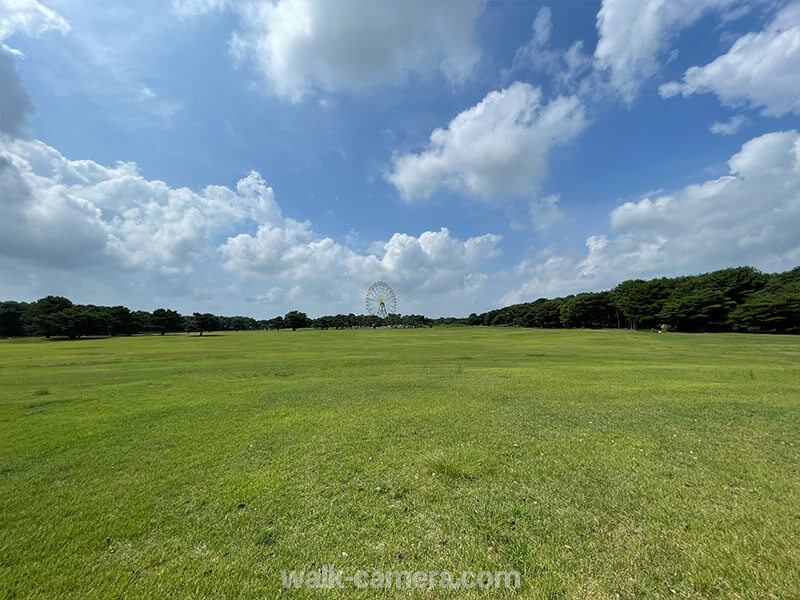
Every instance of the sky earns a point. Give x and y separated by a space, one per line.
257 156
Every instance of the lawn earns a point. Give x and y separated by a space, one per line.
598 464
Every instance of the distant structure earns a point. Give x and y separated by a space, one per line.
381 300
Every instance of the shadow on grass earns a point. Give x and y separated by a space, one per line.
106 337
80 339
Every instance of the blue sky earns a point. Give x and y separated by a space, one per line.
472 154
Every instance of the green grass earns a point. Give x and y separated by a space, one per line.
599 464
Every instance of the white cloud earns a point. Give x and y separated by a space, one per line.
15 102
28 17
566 67
748 217
432 265
193 8
737 13
498 147
729 127
542 28
59 211
113 57
20 17
761 70
102 225
634 34
545 212
303 46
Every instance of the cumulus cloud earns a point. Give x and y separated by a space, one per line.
435 264
729 127
302 46
62 212
98 222
761 70
748 217
634 34
498 147
37 226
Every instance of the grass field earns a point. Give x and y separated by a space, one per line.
599 464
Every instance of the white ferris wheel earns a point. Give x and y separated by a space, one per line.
381 300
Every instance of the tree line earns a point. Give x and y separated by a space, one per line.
56 316
350 321
736 299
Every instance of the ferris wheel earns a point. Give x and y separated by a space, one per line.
381 300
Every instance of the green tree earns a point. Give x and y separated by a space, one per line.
43 314
275 323
12 318
591 310
474 319
122 321
296 320
141 320
737 284
771 310
164 320
641 301
323 322
205 322
373 321
393 320
79 321
705 309
242 323
547 313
